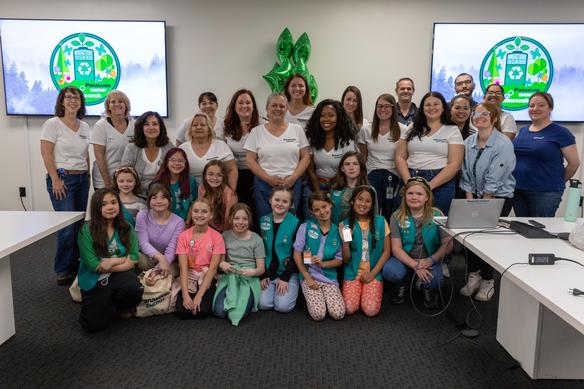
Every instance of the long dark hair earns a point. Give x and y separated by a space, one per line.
215 195
370 215
394 129
344 131
163 175
232 124
140 138
306 99
421 128
359 110
465 131
341 179
98 225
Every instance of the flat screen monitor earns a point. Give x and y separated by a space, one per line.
40 57
523 58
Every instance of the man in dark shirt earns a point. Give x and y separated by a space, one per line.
404 88
464 85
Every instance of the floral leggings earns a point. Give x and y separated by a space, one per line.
326 297
367 296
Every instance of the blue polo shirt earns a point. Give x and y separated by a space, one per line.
540 162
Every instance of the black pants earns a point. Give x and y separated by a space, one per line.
121 291
245 188
477 264
206 305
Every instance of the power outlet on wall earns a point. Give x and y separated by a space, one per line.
22 191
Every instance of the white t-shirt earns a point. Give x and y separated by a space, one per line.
218 150
326 163
431 152
278 156
301 118
508 123
380 154
237 148
105 134
71 147
186 125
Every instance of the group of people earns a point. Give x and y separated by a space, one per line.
367 192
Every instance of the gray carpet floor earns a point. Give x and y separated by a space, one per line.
399 348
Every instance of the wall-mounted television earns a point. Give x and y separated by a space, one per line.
523 58
39 57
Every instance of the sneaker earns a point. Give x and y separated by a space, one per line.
472 285
63 278
400 295
445 270
431 299
486 290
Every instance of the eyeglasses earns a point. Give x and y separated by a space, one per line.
72 98
384 107
461 83
177 161
491 93
484 114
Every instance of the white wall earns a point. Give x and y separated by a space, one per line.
224 45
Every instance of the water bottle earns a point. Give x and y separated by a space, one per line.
573 200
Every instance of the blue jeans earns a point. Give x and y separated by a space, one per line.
219 307
270 299
66 258
443 194
262 192
527 203
386 186
395 271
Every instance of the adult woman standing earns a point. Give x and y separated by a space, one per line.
64 148
277 154
377 143
495 94
203 147
147 152
208 104
489 161
109 138
299 101
540 150
433 149
242 115
330 135
460 110
353 105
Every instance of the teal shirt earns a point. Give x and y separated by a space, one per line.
89 260
180 206
352 267
430 234
284 239
332 243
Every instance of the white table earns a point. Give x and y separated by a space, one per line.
19 229
539 323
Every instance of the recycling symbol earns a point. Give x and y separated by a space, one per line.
84 69
515 73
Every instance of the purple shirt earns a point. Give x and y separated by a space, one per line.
158 238
315 271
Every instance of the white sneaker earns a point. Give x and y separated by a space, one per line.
472 285
486 290
445 270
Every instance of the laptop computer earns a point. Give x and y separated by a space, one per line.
478 213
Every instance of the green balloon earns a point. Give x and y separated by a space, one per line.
273 79
302 49
285 45
313 87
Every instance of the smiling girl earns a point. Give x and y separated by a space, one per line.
127 184
218 193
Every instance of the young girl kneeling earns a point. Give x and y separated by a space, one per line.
238 291
418 243
280 282
365 253
108 248
199 251
318 252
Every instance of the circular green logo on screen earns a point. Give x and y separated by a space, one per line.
522 66
87 62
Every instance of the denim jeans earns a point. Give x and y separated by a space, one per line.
443 194
219 307
270 299
66 258
395 271
262 192
527 203
386 186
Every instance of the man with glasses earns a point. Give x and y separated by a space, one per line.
464 85
495 94
404 88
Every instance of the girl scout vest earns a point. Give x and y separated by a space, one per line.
331 246
284 238
430 234
352 267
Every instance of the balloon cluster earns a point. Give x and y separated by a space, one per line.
293 58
